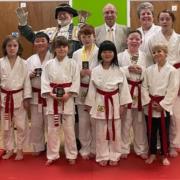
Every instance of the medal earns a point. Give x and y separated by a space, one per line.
38 72
85 65
59 91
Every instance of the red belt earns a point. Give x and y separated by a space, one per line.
177 65
9 104
85 85
133 85
55 101
157 99
107 98
40 99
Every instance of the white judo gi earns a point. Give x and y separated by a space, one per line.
61 72
107 91
38 105
134 117
86 123
173 57
146 35
15 87
163 83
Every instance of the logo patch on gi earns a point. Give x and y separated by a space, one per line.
135 99
100 108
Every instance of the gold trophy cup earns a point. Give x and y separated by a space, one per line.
82 17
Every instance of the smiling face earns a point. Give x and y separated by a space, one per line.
64 18
146 18
107 56
110 15
87 40
41 44
165 21
61 52
134 41
159 55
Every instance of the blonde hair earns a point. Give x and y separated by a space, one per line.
160 46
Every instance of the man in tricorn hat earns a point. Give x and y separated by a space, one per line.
63 14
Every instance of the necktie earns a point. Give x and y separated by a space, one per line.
110 35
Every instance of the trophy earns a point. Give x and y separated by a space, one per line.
134 58
85 65
82 16
59 91
38 72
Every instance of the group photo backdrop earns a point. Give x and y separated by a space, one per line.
96 9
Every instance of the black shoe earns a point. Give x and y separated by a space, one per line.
78 144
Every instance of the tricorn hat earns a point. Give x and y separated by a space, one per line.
67 8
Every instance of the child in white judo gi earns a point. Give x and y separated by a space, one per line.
133 63
15 94
35 65
60 82
107 96
86 57
171 39
160 88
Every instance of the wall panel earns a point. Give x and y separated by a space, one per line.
41 15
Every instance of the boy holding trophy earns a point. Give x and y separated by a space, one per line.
86 57
59 85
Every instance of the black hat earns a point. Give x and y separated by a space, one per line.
67 8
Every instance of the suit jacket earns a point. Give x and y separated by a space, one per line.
120 36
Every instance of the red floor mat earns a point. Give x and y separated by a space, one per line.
33 168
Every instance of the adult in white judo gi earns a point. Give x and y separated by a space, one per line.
145 12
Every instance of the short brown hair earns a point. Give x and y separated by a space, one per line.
7 40
171 14
86 30
134 31
60 41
